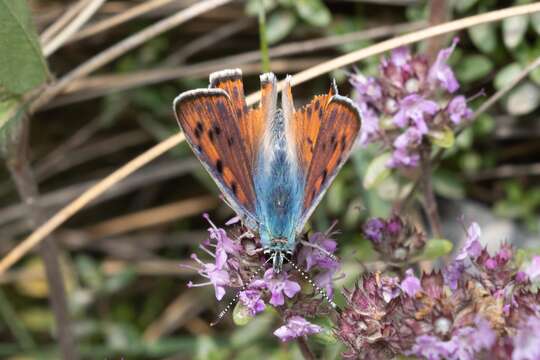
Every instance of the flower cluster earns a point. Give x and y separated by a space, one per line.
409 103
481 306
395 240
238 263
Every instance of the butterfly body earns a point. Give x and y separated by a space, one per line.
272 164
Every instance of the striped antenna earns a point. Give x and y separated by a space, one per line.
317 288
237 295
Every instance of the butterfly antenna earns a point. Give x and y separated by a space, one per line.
317 288
237 295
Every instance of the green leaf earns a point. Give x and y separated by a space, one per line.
22 66
252 6
443 138
514 30
506 75
535 21
241 314
278 25
523 99
464 5
447 184
484 37
377 171
314 12
473 67
436 248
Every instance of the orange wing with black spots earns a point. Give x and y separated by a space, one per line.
339 126
210 119
307 123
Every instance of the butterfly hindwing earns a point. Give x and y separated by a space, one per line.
338 126
210 122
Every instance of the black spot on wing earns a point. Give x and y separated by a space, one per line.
323 176
234 188
219 166
211 135
230 141
217 130
343 143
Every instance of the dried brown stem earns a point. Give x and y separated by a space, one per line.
21 173
438 14
430 202
304 349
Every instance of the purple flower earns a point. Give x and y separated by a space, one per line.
458 110
394 225
413 107
390 288
441 73
533 270
218 276
296 326
526 344
223 242
278 284
400 57
431 348
368 89
317 253
325 279
484 337
251 298
370 123
453 273
411 284
472 247
402 157
374 229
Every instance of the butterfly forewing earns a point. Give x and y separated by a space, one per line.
209 119
337 133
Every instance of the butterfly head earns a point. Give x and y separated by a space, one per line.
277 250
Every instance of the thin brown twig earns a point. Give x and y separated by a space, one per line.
124 46
79 20
439 12
152 217
207 40
59 218
61 22
304 348
101 85
118 19
159 172
21 172
85 89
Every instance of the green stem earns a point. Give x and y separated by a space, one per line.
265 57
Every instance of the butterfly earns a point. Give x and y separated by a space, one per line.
272 164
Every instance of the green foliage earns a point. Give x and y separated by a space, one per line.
436 248
377 171
22 66
473 67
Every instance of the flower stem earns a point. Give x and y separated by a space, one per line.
430 202
21 172
438 14
304 348
265 57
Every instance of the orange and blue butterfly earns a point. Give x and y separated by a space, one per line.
273 165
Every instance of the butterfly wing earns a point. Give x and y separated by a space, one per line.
211 120
325 132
